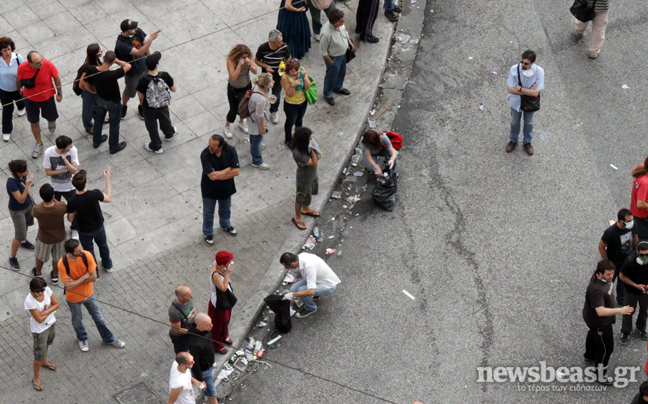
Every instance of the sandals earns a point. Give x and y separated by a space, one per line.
311 214
55 278
298 226
228 341
50 366
35 275
37 387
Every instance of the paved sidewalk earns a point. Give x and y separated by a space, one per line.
154 221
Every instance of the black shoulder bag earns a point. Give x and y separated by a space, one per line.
527 102
224 300
581 11
30 82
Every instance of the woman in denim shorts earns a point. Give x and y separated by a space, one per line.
20 207
41 304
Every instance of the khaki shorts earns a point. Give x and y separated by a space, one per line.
43 251
42 341
305 192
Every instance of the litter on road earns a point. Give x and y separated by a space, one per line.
330 251
408 294
625 86
613 166
336 195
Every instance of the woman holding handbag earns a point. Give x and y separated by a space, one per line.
294 82
222 300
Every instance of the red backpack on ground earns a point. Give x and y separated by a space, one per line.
396 139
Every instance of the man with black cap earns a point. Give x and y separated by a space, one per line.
154 90
634 273
132 47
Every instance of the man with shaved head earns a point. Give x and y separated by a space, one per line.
202 349
181 316
180 390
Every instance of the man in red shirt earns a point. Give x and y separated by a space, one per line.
34 81
639 199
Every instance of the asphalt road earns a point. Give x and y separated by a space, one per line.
496 248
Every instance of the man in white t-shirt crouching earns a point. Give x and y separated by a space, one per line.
180 390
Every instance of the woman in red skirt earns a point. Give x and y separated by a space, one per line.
220 278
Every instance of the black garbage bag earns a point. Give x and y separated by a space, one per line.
281 309
384 194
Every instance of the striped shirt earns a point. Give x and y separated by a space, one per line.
601 5
272 58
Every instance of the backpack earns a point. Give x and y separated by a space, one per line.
158 94
66 264
243 110
75 87
395 139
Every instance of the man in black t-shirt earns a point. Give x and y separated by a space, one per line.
617 243
84 206
153 114
598 312
269 56
634 273
107 99
220 164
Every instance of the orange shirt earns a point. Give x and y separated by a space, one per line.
77 269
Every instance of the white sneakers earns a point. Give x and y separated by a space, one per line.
6 137
275 117
21 112
317 37
243 126
262 166
228 132
83 346
74 234
148 148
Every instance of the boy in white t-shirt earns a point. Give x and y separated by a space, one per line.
61 162
42 304
180 379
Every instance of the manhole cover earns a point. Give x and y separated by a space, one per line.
138 394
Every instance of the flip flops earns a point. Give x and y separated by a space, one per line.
50 366
37 387
297 224
311 214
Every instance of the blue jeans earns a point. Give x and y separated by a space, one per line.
224 213
334 79
87 112
114 112
374 156
389 5
255 149
208 378
99 237
515 126
320 290
92 306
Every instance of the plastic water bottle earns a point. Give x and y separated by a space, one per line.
316 232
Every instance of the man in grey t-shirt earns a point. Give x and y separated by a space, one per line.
181 316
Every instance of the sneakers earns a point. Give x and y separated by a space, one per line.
243 126
55 278
317 37
27 245
305 313
116 343
148 148
83 346
228 132
38 149
262 166
52 127
209 240
35 275
624 339
21 112
643 334
230 230
140 112
119 148
124 109
6 137
175 132
109 270
275 117
74 234
13 261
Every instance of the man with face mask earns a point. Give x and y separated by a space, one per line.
617 243
634 274
532 79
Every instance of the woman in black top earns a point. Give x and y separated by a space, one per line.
20 207
93 58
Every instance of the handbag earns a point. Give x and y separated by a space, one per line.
311 93
527 102
581 11
350 54
224 300
30 82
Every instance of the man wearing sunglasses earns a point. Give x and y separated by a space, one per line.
634 273
529 81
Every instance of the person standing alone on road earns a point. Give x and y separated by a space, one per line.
599 24
634 274
220 164
532 78
639 199
617 243
598 312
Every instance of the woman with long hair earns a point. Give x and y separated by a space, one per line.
93 58
20 207
306 156
8 89
294 82
240 62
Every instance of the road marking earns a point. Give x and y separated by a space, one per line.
408 294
